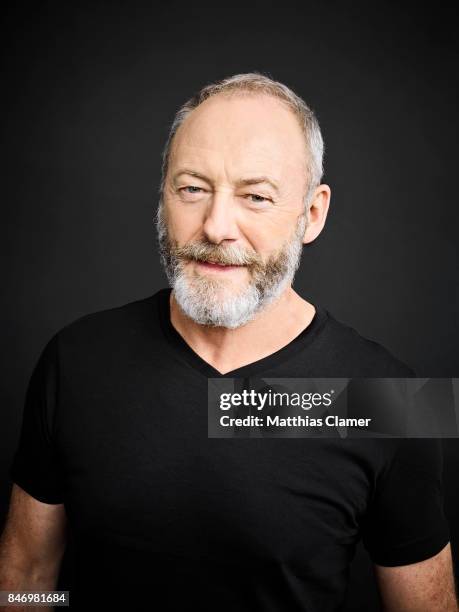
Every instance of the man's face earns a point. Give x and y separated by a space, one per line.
211 215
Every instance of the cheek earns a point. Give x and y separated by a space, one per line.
183 222
266 235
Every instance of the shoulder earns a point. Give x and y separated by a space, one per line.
359 355
112 327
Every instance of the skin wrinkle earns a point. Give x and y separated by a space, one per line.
289 188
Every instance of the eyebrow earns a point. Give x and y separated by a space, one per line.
255 180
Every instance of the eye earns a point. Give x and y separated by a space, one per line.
190 187
259 199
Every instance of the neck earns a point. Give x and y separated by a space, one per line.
228 349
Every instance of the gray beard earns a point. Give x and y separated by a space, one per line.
216 302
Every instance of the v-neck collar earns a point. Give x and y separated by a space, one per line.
179 344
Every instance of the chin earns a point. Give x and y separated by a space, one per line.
215 304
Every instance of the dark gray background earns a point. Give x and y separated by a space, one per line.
89 91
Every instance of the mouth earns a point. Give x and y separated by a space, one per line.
217 267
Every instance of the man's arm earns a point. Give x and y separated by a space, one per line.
32 544
419 587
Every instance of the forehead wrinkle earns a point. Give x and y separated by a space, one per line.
208 165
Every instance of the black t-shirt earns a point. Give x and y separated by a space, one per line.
115 427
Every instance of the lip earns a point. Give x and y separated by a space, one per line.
217 267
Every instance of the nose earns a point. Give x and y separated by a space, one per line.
220 218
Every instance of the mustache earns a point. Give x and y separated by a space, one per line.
225 255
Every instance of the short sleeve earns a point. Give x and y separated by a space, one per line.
35 466
405 522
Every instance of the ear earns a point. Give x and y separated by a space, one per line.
317 213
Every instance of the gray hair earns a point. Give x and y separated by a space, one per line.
256 82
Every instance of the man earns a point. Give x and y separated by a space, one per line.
114 448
